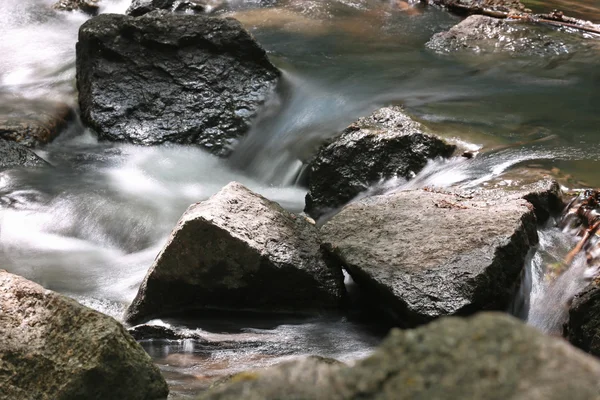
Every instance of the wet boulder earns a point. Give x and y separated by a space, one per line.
239 251
54 348
383 145
583 326
479 6
141 7
480 34
490 356
166 77
87 6
33 123
13 155
422 254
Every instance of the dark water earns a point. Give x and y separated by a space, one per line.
92 226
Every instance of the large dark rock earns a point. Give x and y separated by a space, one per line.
87 6
33 123
423 254
166 77
239 251
51 347
141 7
14 155
583 326
486 357
383 145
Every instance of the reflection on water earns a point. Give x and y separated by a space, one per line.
91 225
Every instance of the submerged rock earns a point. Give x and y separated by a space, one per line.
481 34
583 326
239 251
383 145
14 155
87 6
54 348
489 356
423 254
166 77
33 123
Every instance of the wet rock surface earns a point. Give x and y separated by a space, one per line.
87 6
166 77
475 6
583 326
14 155
141 7
489 356
425 254
383 145
239 251
482 35
33 123
54 348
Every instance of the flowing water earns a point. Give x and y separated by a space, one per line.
91 226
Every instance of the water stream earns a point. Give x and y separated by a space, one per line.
91 226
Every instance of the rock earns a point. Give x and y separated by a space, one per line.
480 34
477 6
239 251
166 77
486 357
583 326
383 145
425 254
33 123
54 348
141 7
87 6
299 379
14 155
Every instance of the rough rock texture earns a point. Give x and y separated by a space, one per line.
487 357
239 251
383 145
475 6
87 6
583 326
141 7
53 348
33 123
481 34
425 254
14 155
166 77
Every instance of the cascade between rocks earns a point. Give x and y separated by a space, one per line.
394 163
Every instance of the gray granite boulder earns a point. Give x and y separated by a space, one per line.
166 77
14 155
486 357
383 145
424 253
239 251
52 348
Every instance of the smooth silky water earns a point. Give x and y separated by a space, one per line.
91 226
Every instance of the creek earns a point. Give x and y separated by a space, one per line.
92 226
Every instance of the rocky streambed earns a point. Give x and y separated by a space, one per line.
298 199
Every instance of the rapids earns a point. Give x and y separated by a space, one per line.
91 226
